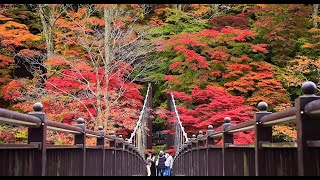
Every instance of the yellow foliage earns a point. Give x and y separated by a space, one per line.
304 65
262 5
14 25
200 9
314 30
286 130
308 45
91 141
283 106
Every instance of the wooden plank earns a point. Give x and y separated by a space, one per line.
279 117
279 145
215 147
64 146
313 143
244 126
240 146
19 146
15 118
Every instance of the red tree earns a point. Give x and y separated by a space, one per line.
210 106
238 21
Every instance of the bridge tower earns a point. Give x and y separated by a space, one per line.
149 119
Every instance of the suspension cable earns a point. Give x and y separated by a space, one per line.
141 114
178 117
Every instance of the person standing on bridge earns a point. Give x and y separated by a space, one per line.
168 164
153 166
160 163
150 160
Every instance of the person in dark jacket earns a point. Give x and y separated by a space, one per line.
153 167
160 163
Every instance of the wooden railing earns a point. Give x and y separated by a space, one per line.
202 157
37 158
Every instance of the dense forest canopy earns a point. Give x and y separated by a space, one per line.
94 62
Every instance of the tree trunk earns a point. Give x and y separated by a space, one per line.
47 22
215 9
177 6
108 17
315 14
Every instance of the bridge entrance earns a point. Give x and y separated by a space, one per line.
210 153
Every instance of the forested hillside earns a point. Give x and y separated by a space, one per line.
95 61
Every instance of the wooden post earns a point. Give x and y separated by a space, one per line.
195 158
262 134
201 145
176 162
80 139
136 163
201 141
38 136
226 140
307 129
119 142
127 148
112 142
210 141
189 157
184 160
101 143
119 148
130 148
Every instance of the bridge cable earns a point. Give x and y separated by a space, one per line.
178 117
141 114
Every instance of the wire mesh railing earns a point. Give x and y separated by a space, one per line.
180 136
139 136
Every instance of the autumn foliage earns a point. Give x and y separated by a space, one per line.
238 21
210 64
218 60
15 37
209 107
226 58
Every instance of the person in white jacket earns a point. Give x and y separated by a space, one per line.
168 164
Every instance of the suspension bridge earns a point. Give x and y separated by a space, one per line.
198 155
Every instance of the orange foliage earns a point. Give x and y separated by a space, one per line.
5 60
14 33
200 9
12 90
286 130
3 18
300 68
